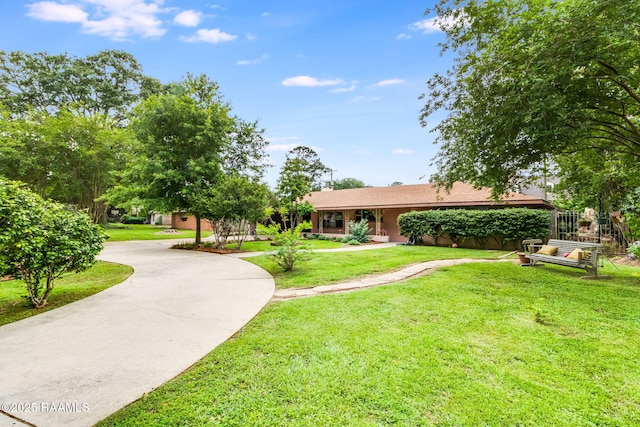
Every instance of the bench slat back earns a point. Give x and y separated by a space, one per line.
566 246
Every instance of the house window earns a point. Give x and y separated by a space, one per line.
366 214
332 219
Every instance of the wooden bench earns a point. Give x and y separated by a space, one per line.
587 259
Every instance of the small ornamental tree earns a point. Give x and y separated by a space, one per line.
40 240
290 249
232 207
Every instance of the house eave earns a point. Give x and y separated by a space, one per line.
542 203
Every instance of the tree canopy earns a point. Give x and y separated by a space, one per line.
67 157
300 173
107 83
346 183
535 83
63 122
186 141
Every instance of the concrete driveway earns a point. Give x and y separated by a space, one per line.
75 365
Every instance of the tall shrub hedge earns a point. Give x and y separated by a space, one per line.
461 225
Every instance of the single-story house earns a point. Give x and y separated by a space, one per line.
382 205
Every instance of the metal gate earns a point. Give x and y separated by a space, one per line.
611 230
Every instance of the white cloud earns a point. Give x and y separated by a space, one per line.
402 151
188 18
427 26
266 13
343 89
252 61
56 12
309 81
435 24
117 20
403 36
213 36
389 82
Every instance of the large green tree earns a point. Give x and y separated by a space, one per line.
107 83
63 121
535 83
301 172
178 157
68 157
186 141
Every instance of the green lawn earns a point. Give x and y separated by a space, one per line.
472 345
14 304
265 245
332 267
122 232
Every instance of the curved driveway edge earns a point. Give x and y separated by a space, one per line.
75 365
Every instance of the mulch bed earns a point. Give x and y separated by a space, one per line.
626 261
216 251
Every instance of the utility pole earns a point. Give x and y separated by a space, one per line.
331 171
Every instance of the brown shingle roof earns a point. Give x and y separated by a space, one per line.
416 196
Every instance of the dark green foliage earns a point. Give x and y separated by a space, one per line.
40 240
537 83
126 219
459 225
417 224
347 183
107 83
69 157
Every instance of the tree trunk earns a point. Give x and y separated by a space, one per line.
198 231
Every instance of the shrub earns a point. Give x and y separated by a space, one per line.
504 225
417 224
184 245
270 231
41 240
126 219
359 231
291 250
634 249
354 242
322 237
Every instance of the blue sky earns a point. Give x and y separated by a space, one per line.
342 77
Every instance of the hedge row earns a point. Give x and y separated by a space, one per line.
503 225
